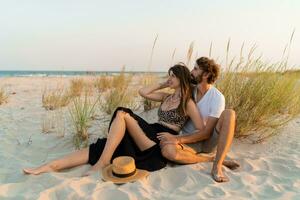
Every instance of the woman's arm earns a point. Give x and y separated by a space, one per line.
149 92
195 115
201 132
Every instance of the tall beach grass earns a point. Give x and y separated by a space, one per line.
260 93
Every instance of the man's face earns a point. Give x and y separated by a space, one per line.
196 75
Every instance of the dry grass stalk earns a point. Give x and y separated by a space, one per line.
54 121
172 57
189 54
151 55
3 96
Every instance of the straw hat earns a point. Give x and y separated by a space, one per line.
123 170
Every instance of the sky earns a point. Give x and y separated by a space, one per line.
106 35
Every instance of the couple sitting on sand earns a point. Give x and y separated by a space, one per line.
197 112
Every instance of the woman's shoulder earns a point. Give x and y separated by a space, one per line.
191 103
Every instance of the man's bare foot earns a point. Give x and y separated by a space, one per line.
231 164
38 170
218 175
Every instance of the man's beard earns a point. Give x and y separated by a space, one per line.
196 80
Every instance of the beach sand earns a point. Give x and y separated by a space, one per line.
269 170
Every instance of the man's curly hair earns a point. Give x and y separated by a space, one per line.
209 66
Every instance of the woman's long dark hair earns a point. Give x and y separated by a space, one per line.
183 74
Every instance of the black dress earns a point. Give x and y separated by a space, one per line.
150 159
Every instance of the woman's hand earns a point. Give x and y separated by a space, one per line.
164 84
150 92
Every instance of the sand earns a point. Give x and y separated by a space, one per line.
269 170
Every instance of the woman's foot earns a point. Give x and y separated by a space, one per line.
38 170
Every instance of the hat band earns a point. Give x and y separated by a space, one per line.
124 175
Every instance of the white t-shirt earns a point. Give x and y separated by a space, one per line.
211 104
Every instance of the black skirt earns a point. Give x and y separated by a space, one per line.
150 159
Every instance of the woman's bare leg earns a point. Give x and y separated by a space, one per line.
138 135
72 160
121 122
114 137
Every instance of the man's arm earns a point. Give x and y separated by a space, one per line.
199 135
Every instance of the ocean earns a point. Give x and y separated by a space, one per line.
64 73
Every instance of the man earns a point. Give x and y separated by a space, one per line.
219 124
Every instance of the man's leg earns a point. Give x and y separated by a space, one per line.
225 127
183 155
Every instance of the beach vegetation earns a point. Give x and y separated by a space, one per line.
3 96
82 112
103 83
56 98
260 93
120 94
77 86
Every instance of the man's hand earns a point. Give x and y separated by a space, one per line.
167 138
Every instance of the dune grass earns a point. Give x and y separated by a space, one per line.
82 111
260 93
77 86
120 94
3 96
103 83
57 98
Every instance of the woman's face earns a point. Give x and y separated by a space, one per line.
173 81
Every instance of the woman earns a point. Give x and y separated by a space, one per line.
130 135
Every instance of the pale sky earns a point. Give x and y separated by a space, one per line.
105 35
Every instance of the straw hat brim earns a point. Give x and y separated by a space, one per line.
107 175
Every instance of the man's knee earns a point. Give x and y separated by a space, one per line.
170 152
227 117
229 114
